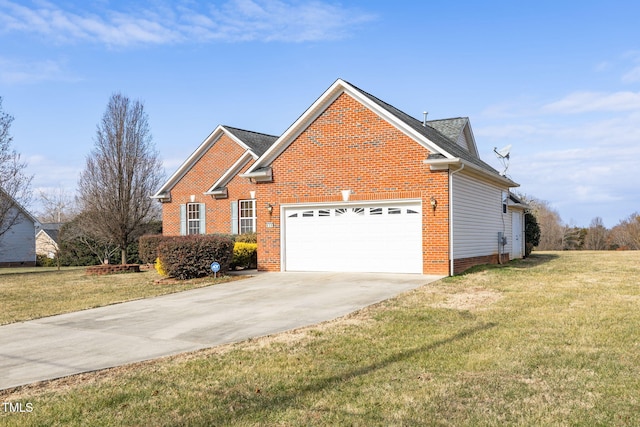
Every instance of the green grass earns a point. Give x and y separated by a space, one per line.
38 292
552 340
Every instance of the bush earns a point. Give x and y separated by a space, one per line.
188 257
45 261
245 255
148 247
531 233
247 238
159 268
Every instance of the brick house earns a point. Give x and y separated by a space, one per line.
206 195
355 184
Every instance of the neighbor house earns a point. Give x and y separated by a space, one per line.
18 243
206 195
354 184
47 241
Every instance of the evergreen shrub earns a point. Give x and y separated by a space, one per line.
188 257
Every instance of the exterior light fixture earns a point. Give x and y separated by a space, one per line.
269 208
345 195
434 203
252 194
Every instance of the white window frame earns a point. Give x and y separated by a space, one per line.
247 216
193 218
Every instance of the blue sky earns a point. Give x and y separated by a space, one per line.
559 80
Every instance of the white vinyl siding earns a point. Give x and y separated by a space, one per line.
19 243
477 218
462 141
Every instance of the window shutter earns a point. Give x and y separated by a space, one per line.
234 217
183 220
203 223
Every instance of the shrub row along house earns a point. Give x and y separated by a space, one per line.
353 185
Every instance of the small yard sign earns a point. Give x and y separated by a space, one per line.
215 267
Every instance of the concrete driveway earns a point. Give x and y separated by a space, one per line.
105 337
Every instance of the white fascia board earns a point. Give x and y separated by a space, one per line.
191 160
232 171
196 155
444 164
299 126
239 142
329 96
397 123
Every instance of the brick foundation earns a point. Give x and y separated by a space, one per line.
462 264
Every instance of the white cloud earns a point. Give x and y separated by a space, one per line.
583 102
19 71
632 76
233 21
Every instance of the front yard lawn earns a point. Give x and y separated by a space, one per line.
552 340
33 293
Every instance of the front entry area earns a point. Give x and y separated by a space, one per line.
377 237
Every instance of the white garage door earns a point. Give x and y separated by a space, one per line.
358 238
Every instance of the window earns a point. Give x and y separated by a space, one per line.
193 218
375 211
395 211
247 216
324 212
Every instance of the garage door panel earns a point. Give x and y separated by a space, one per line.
371 238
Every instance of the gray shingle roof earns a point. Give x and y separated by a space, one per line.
432 134
451 128
258 142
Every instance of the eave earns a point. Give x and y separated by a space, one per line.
260 175
446 163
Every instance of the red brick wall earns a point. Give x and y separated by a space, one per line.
213 164
350 147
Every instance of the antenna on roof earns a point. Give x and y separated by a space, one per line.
424 122
503 155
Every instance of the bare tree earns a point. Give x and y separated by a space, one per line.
15 185
120 175
57 206
552 232
597 235
626 234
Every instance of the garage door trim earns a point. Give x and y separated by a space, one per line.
355 203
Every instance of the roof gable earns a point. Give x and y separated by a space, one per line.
13 203
441 146
457 130
254 143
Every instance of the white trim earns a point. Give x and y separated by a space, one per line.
320 105
210 141
231 172
286 206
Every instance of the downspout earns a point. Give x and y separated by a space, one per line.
451 217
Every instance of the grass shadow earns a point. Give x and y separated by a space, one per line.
287 398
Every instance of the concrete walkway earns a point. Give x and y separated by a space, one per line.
105 337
